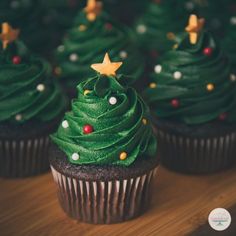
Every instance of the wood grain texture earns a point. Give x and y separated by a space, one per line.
180 206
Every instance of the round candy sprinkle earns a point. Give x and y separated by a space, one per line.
210 87
123 156
223 116
233 20
16 60
141 29
189 6
123 54
144 121
73 57
75 156
18 117
112 100
61 48
40 87
108 26
57 70
82 27
158 69
208 51
86 92
177 75
65 124
152 85
175 103
170 36
88 129
233 77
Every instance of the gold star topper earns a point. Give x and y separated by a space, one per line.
93 9
194 28
107 67
8 34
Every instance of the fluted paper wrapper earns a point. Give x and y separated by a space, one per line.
22 158
104 202
197 155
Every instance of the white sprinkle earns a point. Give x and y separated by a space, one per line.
233 77
233 20
73 57
18 117
158 69
189 6
177 75
40 87
65 124
61 48
15 4
123 54
141 29
75 156
113 100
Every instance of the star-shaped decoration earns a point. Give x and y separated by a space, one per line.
194 28
8 34
107 67
93 9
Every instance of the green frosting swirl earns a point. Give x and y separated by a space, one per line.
117 128
26 89
229 43
83 47
184 75
157 22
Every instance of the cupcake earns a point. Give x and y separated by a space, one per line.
156 29
29 16
229 44
193 99
104 154
31 106
93 34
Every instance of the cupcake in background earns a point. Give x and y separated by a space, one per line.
229 44
31 106
92 35
193 99
156 29
104 158
29 16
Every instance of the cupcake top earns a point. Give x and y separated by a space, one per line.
156 29
93 34
26 89
229 43
109 123
193 83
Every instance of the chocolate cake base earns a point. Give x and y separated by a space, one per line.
24 148
102 194
200 149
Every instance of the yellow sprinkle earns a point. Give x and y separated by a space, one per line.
82 27
175 46
58 70
170 36
153 85
144 121
210 87
123 156
91 16
86 92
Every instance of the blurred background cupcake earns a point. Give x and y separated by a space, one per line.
31 105
193 98
105 147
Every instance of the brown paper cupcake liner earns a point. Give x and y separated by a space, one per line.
104 202
22 158
197 154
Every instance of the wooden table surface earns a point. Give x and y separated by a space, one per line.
180 206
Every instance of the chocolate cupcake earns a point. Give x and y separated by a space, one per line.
193 99
93 34
31 106
104 157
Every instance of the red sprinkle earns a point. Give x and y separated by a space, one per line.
108 26
88 129
16 60
175 103
223 116
208 51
